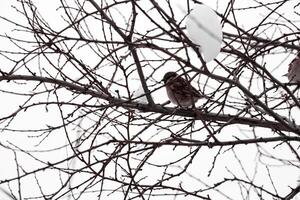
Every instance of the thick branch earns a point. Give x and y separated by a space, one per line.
293 193
194 113
127 40
189 142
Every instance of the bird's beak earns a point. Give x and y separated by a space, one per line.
285 74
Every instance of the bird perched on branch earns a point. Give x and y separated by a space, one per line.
294 70
180 91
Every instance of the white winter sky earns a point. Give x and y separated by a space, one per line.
30 120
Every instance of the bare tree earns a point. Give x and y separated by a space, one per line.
73 125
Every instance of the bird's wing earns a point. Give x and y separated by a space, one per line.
183 87
293 64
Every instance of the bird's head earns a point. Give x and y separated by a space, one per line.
169 75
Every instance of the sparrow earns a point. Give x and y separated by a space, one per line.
180 91
294 70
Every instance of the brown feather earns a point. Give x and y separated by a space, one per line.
180 91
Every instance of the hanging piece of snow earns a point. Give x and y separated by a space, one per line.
204 29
